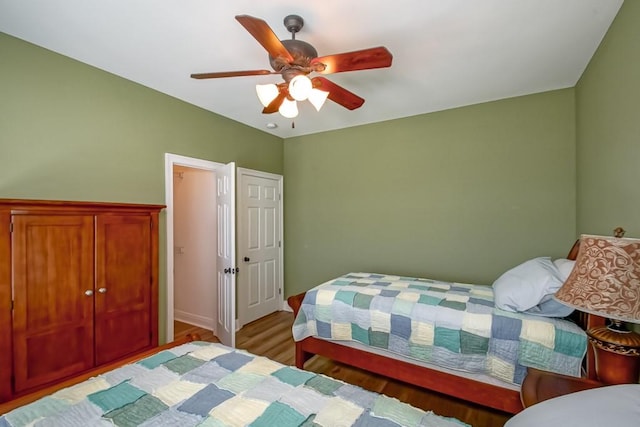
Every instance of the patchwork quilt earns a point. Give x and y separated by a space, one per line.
452 325
210 385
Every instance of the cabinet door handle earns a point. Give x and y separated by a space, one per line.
88 292
102 290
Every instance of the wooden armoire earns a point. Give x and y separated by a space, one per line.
78 288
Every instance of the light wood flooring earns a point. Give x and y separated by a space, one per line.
271 337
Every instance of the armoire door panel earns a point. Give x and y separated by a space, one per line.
50 357
123 285
52 263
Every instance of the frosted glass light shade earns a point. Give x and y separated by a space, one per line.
317 98
266 93
288 109
299 87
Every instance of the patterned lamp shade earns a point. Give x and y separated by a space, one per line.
605 280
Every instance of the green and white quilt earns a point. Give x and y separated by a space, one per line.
452 325
210 385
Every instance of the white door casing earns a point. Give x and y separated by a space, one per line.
225 329
172 160
259 244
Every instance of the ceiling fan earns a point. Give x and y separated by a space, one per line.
295 60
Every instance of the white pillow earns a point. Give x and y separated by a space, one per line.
615 406
564 266
526 285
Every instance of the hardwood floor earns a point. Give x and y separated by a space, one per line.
181 330
271 337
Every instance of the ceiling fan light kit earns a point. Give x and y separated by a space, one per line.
288 109
317 98
266 93
299 87
294 60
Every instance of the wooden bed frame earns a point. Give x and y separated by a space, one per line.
493 396
33 396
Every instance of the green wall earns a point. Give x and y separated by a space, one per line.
462 194
71 132
608 131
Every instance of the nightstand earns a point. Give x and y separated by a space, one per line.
541 385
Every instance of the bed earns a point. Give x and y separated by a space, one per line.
467 357
208 384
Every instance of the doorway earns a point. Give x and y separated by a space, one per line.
200 236
194 269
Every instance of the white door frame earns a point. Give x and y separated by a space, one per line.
240 213
172 160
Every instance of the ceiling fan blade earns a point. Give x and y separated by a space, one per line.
338 94
231 74
261 31
366 59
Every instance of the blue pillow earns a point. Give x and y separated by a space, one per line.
550 308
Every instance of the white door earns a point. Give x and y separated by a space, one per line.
259 244
225 324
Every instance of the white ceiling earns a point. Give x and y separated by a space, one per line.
446 53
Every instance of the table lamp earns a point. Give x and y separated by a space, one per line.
605 281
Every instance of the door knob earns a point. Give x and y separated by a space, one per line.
102 290
246 259
88 292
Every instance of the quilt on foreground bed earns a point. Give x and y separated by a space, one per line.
205 384
451 325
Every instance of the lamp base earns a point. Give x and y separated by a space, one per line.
617 353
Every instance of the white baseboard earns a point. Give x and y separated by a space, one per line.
194 319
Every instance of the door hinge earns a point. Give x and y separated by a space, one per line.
11 227
279 291
279 244
11 305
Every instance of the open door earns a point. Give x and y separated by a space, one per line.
226 255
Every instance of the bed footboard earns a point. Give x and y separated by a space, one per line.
295 302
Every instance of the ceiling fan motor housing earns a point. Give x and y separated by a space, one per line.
302 52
